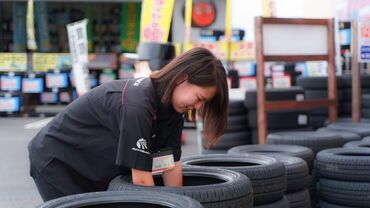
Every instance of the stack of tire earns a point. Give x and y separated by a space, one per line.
361 129
295 160
317 88
345 108
344 177
237 132
365 106
316 141
267 175
277 120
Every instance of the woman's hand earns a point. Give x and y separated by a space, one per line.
142 178
173 177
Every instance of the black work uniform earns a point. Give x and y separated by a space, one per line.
105 133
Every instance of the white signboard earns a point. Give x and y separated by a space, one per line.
363 41
77 38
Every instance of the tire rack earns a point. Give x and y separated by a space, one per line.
263 105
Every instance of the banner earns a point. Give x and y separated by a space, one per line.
42 22
156 19
130 26
12 62
19 27
31 40
363 41
77 38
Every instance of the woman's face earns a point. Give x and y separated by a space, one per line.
188 96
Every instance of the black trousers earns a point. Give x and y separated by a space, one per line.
46 190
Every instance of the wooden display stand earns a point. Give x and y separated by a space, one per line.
284 39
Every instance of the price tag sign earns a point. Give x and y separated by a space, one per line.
10 104
10 83
49 97
56 80
42 62
245 68
247 83
65 97
13 62
32 85
241 51
281 81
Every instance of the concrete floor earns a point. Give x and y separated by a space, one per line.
17 189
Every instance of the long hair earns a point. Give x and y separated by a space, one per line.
200 67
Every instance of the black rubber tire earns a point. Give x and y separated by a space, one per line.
312 184
282 203
236 107
210 186
366 139
237 123
347 136
365 113
318 121
232 139
345 120
358 144
316 83
255 132
321 94
273 94
139 199
296 170
281 119
348 193
347 81
314 140
299 199
361 129
291 150
213 151
347 93
267 175
324 204
350 164
365 100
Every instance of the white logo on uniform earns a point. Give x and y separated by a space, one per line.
137 82
141 144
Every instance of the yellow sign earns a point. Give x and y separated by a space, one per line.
156 16
13 62
219 48
241 51
43 62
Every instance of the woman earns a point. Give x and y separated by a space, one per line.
123 126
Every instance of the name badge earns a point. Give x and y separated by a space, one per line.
162 161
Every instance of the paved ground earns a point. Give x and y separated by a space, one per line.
17 189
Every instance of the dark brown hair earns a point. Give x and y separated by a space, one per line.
200 67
